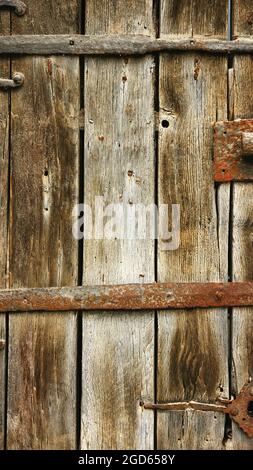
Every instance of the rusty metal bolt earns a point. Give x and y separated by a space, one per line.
2 344
18 78
219 294
234 412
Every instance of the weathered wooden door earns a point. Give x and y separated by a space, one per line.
137 128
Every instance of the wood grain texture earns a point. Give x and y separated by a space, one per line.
4 165
242 18
119 17
190 17
187 432
192 346
48 17
118 352
242 249
44 189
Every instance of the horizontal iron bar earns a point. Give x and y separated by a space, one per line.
117 45
128 297
181 406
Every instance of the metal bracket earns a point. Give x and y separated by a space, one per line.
233 150
17 81
240 409
19 7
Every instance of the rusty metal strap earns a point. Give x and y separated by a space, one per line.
118 45
128 297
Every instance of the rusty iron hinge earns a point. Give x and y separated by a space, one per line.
233 150
240 409
18 6
17 81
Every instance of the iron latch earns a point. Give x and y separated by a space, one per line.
233 150
240 409
18 6
15 82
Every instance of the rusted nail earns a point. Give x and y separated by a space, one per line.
196 69
219 295
2 344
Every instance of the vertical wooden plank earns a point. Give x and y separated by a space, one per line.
44 190
242 18
118 349
192 346
194 17
242 248
4 159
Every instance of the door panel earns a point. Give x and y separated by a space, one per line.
128 130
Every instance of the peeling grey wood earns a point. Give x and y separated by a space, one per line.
118 45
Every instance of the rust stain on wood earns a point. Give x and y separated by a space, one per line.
197 68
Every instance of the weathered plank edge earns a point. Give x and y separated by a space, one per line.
117 45
128 297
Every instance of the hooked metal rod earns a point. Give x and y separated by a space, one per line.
182 406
